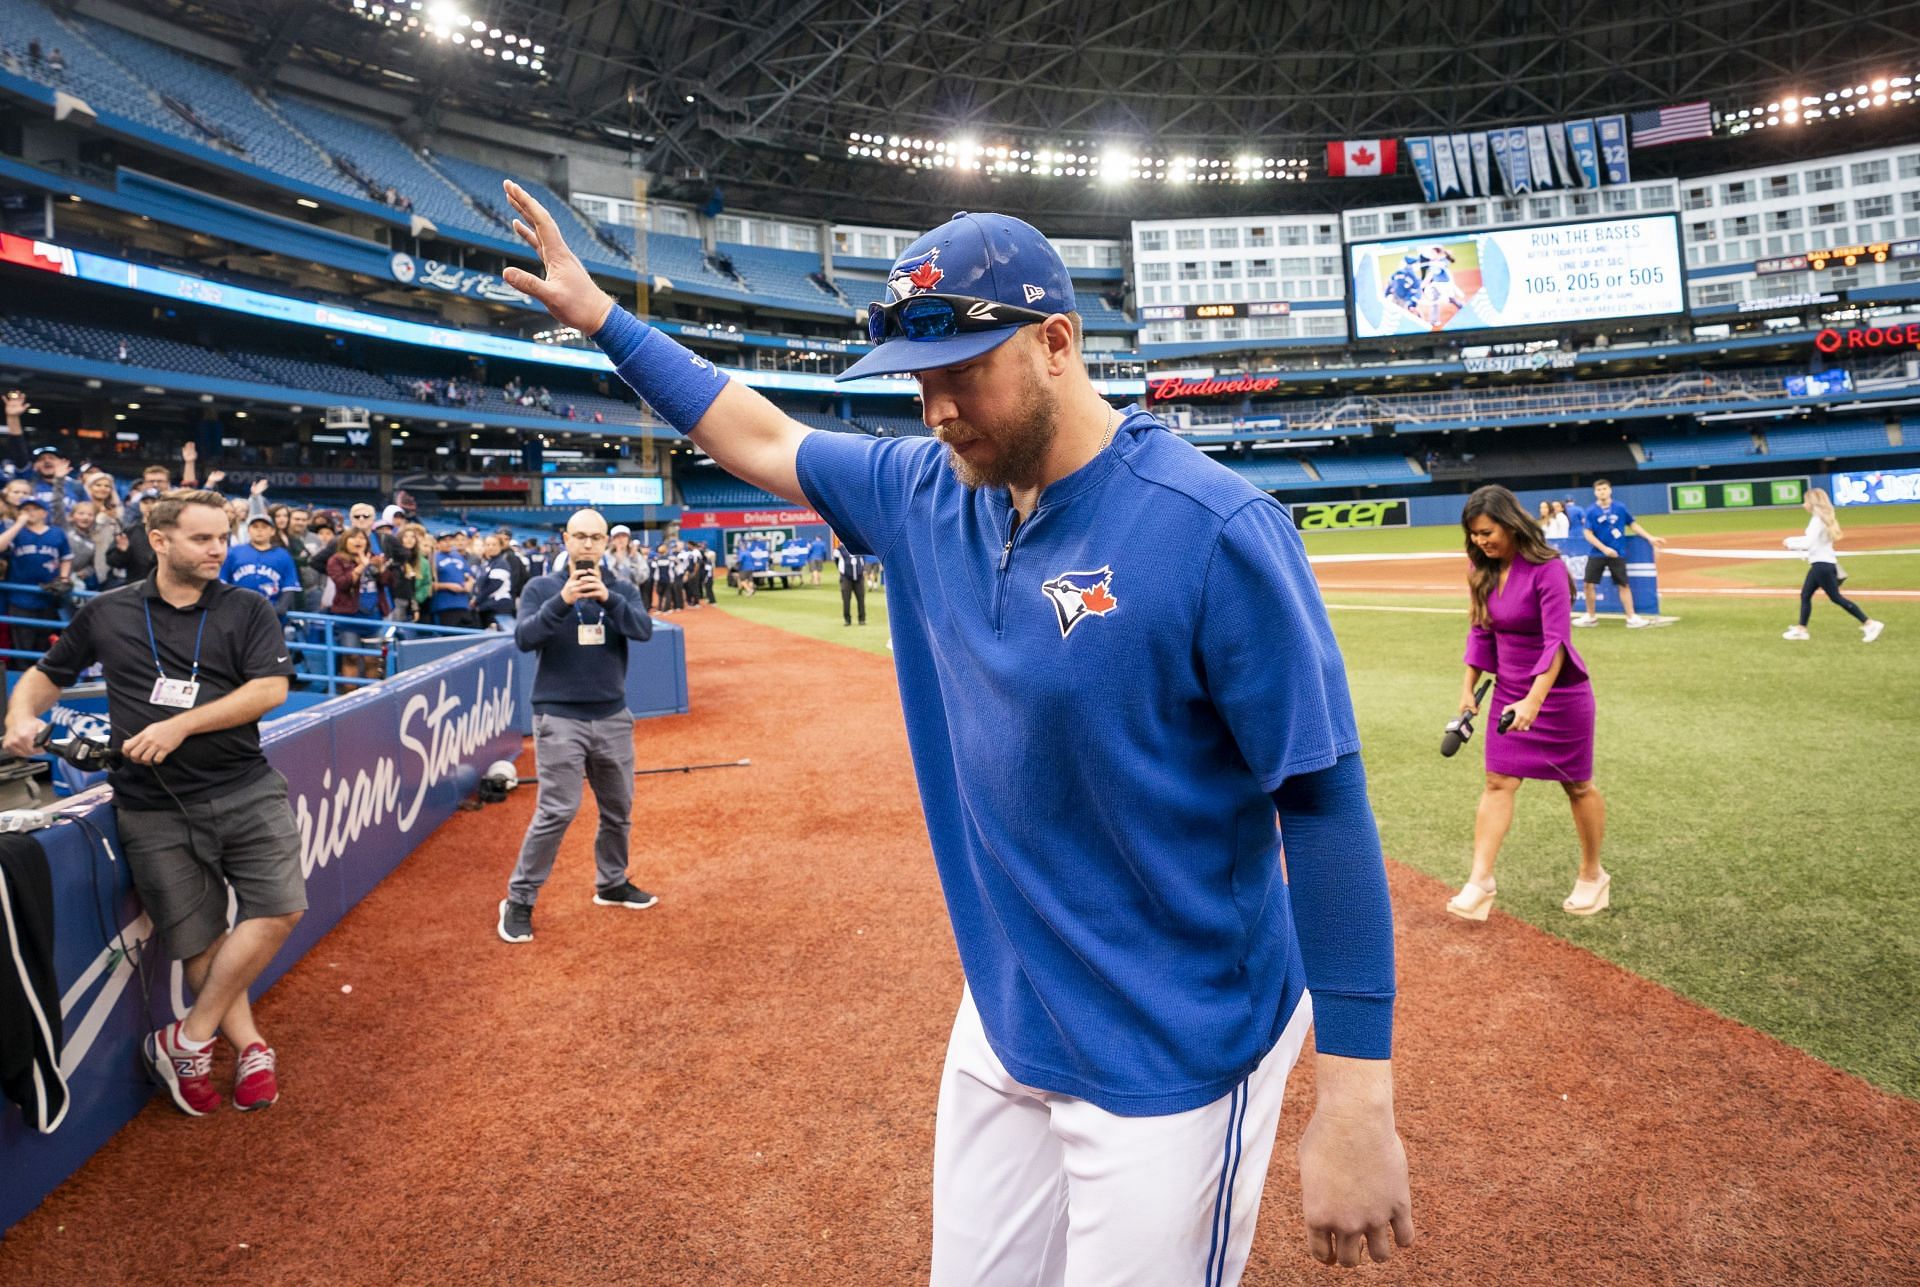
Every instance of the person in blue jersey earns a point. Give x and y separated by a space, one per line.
451 601
263 565
1404 286
1122 694
1605 525
39 555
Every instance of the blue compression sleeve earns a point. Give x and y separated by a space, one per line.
674 381
1337 881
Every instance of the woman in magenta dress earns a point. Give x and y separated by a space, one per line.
1522 611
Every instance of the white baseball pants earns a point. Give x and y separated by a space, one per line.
1034 1189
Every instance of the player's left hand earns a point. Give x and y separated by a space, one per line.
1525 712
155 742
1353 1185
1658 540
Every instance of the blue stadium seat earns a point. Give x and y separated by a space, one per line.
1272 473
387 162
215 98
90 73
1349 470
717 489
482 185
1725 448
782 277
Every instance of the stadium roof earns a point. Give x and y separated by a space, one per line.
760 97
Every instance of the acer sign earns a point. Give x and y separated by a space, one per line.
1320 515
1834 339
1177 389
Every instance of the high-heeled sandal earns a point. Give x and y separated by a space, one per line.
1472 903
1589 896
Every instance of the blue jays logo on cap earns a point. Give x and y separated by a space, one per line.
1075 596
915 274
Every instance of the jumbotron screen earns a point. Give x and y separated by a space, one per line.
602 491
1550 275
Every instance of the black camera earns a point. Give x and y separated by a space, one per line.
88 754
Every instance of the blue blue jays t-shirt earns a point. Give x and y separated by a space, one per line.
269 572
35 560
1097 715
455 570
1610 523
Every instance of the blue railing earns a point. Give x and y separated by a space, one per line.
313 637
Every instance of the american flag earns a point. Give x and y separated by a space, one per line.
1671 124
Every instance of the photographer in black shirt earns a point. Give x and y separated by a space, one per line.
191 665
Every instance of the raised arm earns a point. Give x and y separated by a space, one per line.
750 437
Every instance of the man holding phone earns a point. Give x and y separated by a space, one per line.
579 624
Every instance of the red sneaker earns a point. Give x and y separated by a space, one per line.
254 1085
184 1074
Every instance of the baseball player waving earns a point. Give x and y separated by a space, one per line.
1110 753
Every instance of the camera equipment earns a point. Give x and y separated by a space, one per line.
500 778
1459 730
88 754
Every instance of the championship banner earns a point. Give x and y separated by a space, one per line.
1586 152
1497 144
1421 152
1517 159
1463 164
1557 145
1321 516
1477 148
1538 157
1613 147
1443 165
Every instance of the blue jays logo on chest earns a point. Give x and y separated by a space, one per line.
1075 596
915 276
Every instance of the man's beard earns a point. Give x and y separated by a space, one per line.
1023 445
188 569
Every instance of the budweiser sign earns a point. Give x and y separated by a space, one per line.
1177 389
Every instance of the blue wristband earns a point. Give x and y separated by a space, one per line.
676 382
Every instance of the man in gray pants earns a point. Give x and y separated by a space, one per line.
582 729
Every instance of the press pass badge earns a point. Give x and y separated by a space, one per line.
181 693
594 633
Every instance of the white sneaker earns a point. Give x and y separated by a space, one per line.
1871 631
1795 633
1586 619
1639 623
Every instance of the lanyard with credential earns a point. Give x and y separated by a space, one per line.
175 692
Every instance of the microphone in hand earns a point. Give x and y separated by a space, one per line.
1459 730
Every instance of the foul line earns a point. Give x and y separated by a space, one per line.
1748 555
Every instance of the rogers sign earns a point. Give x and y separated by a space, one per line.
1868 337
1176 389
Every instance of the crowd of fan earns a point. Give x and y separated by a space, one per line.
368 568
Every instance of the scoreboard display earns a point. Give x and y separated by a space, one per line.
603 490
1549 275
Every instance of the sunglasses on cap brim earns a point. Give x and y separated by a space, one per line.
939 317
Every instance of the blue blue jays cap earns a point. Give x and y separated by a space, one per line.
962 291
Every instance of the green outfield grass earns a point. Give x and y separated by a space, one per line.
1786 522
1762 794
813 611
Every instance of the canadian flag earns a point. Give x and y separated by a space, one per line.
1362 158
